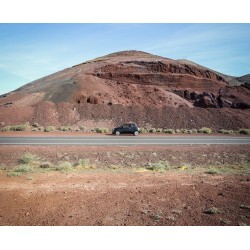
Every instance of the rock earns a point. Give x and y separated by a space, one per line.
46 165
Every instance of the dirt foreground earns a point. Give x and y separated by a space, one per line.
132 198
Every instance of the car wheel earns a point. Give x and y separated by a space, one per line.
117 132
136 133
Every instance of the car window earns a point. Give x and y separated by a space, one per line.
125 126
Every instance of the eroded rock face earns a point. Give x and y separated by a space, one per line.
229 97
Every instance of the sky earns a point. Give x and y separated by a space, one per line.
33 50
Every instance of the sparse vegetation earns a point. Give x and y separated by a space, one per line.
143 131
157 216
244 131
64 166
65 128
205 130
83 162
178 131
101 130
212 171
244 207
24 169
28 158
225 221
82 128
152 130
49 129
20 127
6 128
227 132
212 210
159 166
169 131
159 130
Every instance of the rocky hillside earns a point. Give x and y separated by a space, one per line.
131 86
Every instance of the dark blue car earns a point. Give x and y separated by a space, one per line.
128 128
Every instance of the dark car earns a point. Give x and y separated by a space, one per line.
128 128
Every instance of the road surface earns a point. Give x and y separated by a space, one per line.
125 140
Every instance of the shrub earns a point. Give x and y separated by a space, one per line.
152 130
35 125
143 130
159 166
49 129
64 166
83 162
185 131
212 171
244 131
212 210
27 158
101 130
169 131
194 131
159 130
21 127
65 128
24 169
35 129
205 130
6 128
189 131
177 131
82 128
224 131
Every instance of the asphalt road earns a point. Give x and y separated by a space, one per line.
125 140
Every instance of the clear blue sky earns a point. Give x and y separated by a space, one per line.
31 51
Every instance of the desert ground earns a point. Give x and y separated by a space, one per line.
125 185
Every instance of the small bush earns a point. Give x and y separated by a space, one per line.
227 132
35 129
65 128
169 131
13 174
212 171
177 131
24 169
152 130
159 166
41 128
184 131
64 166
49 129
27 158
83 162
143 130
35 125
21 127
103 130
205 130
194 131
159 130
189 131
244 131
82 128
212 210
6 128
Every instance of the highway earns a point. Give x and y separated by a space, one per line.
126 140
